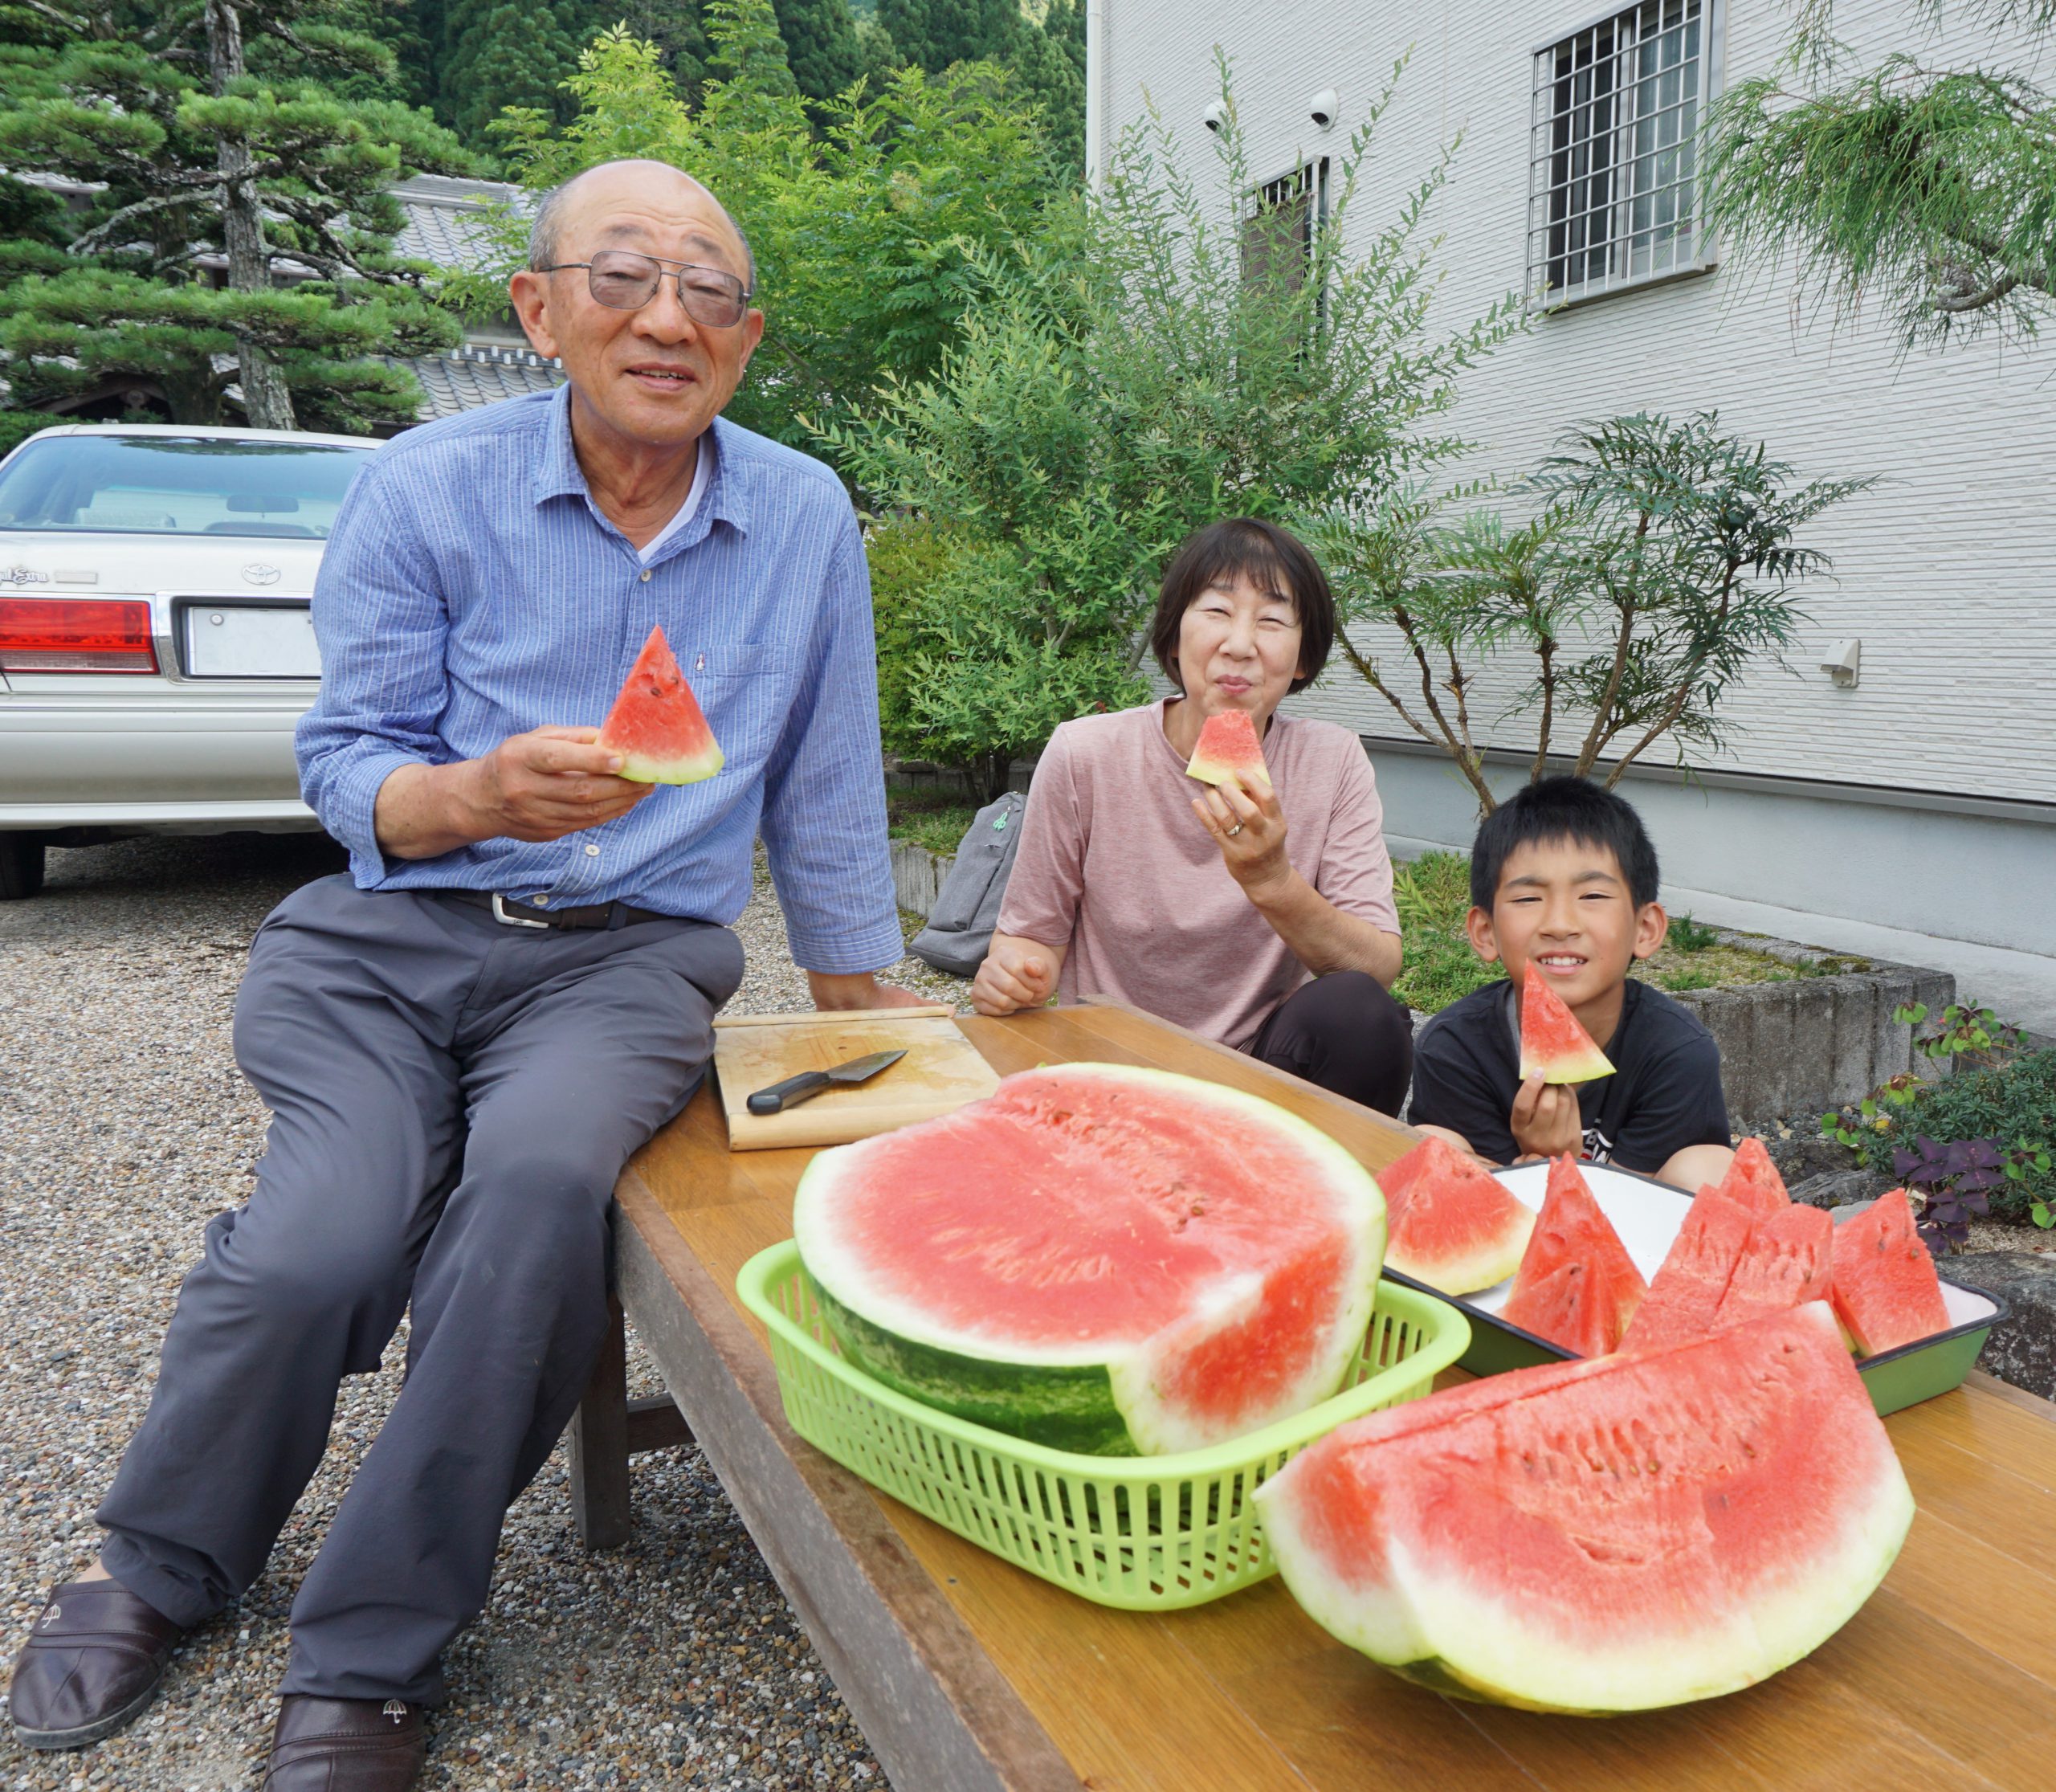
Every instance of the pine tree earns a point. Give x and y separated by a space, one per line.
821 45
215 148
1053 79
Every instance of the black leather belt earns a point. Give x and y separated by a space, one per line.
511 913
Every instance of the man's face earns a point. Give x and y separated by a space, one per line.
656 376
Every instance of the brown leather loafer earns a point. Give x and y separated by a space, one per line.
93 1660
346 1745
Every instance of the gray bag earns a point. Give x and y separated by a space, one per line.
959 929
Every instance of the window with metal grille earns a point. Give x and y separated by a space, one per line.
1613 187
1278 237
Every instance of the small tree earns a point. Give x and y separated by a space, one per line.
1658 567
1155 359
207 132
1930 191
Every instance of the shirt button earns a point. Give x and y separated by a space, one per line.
592 852
541 901
645 575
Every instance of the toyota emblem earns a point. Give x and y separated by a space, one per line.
259 573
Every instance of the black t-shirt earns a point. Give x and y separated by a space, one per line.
1663 1096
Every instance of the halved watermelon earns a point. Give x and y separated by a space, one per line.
1227 746
1450 1222
1603 1536
1752 1180
655 723
1885 1290
1551 1041
1576 1285
1785 1265
1100 1258
1687 1290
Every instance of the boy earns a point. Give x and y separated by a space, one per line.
1563 886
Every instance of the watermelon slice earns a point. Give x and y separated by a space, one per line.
1753 1181
1452 1224
1686 1292
1786 1264
1100 1258
1576 1286
1885 1288
1228 745
1551 1041
655 723
1603 1536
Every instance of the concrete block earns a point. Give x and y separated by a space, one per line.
2022 1349
917 876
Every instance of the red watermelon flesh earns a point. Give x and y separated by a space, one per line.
656 725
1551 1041
1786 1264
1686 1292
1885 1288
1452 1224
1099 1257
1603 1536
1577 1287
1753 1181
1228 746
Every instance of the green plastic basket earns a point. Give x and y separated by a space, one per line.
1145 1533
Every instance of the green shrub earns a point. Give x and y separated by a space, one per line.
907 557
16 426
1688 978
1433 896
2008 1103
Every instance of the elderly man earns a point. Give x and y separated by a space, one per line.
461 1041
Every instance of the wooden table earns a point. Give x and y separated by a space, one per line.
966 1673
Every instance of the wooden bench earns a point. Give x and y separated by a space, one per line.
966 1673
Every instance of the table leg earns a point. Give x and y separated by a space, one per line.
599 1444
607 1428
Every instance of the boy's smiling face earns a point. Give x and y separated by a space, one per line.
1564 909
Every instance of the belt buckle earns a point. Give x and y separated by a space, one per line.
500 914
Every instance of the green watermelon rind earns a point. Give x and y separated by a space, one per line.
1061 1408
1057 1388
640 769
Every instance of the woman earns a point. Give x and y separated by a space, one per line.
1208 910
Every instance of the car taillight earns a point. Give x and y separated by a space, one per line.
75 634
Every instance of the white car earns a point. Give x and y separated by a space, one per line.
156 649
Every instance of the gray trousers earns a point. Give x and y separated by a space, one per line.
451 1101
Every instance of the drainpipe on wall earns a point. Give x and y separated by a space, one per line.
1095 77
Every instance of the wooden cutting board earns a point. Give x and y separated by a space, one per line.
941 1071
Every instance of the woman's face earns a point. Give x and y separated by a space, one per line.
1238 648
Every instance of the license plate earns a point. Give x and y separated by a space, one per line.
243 640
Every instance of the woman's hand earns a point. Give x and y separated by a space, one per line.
1017 974
1249 827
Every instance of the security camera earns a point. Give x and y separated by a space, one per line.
1216 114
1323 106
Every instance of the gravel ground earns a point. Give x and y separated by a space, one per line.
123 1128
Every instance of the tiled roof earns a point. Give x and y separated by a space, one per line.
472 377
444 216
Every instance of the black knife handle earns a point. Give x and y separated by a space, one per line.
780 1096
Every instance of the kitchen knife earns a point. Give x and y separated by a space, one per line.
809 1083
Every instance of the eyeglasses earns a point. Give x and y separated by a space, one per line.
623 280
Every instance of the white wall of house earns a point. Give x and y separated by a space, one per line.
1945 571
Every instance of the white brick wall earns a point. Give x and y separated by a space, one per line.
1946 569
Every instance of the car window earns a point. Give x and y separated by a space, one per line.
177 485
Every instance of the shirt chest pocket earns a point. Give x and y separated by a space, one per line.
744 689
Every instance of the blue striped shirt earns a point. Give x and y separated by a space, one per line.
471 590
